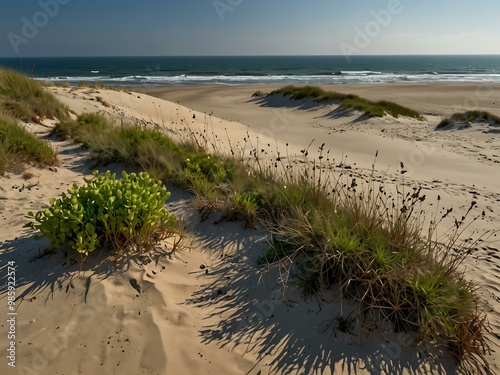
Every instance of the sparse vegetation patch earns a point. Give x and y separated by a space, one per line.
466 119
17 146
27 99
347 101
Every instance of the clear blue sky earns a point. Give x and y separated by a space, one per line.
248 27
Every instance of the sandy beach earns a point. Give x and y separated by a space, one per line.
209 309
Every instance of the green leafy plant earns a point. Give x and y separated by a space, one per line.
210 167
127 215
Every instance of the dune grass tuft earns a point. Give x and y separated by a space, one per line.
470 117
27 99
17 146
348 101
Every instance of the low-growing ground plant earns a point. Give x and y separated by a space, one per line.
125 215
276 251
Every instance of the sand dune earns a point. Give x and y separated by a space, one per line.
209 309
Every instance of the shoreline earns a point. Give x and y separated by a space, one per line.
424 97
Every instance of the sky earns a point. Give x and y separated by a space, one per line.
247 27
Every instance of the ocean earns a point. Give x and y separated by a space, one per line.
255 70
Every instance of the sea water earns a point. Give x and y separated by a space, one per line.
254 70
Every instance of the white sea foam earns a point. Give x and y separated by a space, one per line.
334 78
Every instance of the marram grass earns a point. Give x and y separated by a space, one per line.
346 101
18 146
27 99
470 117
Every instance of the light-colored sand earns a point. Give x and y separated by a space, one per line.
173 315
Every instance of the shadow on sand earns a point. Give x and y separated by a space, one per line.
288 335
329 110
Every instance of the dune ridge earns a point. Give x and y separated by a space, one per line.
219 319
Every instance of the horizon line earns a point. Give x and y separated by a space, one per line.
243 55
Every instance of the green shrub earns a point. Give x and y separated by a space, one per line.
243 205
127 214
206 166
199 169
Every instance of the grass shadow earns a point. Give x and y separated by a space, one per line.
286 333
308 104
284 101
38 268
343 113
